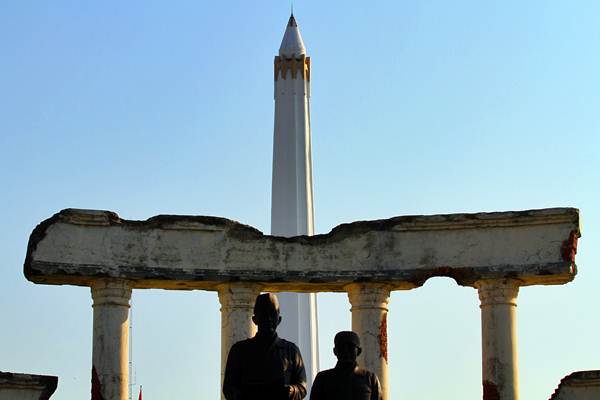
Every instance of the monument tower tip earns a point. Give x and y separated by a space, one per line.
292 45
292 20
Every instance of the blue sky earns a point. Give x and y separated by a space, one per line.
425 107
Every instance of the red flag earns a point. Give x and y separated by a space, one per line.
140 398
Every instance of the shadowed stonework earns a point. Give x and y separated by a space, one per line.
27 387
580 385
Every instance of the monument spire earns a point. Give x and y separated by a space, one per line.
292 193
292 45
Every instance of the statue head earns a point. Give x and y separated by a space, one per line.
346 346
266 313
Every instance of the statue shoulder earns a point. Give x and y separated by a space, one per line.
373 378
326 374
366 373
287 344
241 345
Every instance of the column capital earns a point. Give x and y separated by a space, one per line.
368 295
498 291
237 304
369 320
111 292
238 295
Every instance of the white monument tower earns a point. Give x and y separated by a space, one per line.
292 196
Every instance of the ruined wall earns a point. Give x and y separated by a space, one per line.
580 385
195 252
26 387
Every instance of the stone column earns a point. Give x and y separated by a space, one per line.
110 352
237 306
499 338
369 320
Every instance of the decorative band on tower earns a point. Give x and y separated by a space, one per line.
283 65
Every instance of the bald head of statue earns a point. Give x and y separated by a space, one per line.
266 313
346 346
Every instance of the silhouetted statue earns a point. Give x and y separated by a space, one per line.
265 367
346 381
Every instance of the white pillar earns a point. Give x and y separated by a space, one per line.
499 338
237 306
369 320
110 353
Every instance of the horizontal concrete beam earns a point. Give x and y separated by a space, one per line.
27 387
194 252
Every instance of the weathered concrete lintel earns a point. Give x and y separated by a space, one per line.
579 385
197 252
410 279
15 386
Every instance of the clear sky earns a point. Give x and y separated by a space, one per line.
424 107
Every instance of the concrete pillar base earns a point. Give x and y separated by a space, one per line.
499 338
110 353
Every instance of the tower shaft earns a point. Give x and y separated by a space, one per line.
292 193
292 196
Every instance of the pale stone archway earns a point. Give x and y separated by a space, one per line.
495 253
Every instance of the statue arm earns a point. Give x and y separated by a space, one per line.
298 381
376 393
232 381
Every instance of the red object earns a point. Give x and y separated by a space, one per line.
140 398
96 391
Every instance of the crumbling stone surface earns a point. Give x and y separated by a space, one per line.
198 252
26 387
580 385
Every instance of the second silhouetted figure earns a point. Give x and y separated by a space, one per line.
346 381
